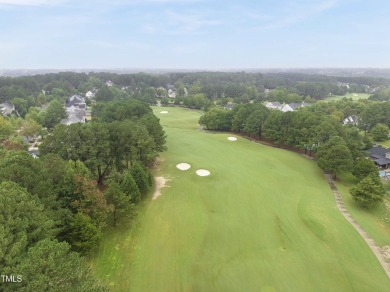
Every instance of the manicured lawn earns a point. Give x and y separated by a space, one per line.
375 221
354 96
264 220
384 143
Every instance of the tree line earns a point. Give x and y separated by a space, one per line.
27 91
88 176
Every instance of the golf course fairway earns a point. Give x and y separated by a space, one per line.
264 219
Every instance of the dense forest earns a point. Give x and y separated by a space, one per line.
93 174
211 84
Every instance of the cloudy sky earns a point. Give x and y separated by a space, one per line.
194 34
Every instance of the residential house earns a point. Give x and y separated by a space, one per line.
90 94
342 84
273 105
286 108
380 155
76 110
33 152
109 83
353 120
171 93
6 108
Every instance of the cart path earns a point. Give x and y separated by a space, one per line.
371 243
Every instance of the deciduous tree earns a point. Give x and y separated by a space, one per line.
380 132
363 168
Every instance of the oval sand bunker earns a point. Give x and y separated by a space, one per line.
232 138
163 112
202 172
183 166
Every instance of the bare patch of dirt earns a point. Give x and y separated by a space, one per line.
160 183
386 252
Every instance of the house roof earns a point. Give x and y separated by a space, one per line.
379 150
378 155
351 120
34 153
286 108
382 161
90 94
274 104
6 108
74 100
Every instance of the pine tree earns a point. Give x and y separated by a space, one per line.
130 188
141 178
119 202
368 191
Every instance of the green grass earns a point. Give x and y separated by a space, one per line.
264 220
354 96
375 221
384 143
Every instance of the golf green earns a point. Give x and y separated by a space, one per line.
264 220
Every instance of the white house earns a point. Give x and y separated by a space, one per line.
90 94
171 93
354 120
286 108
6 108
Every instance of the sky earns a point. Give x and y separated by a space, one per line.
194 34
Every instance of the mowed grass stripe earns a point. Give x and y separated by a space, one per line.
264 219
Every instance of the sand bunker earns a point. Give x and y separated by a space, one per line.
203 172
163 112
232 138
183 166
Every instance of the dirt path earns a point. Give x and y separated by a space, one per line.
160 183
371 243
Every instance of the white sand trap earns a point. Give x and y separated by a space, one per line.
183 166
163 112
203 172
232 138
